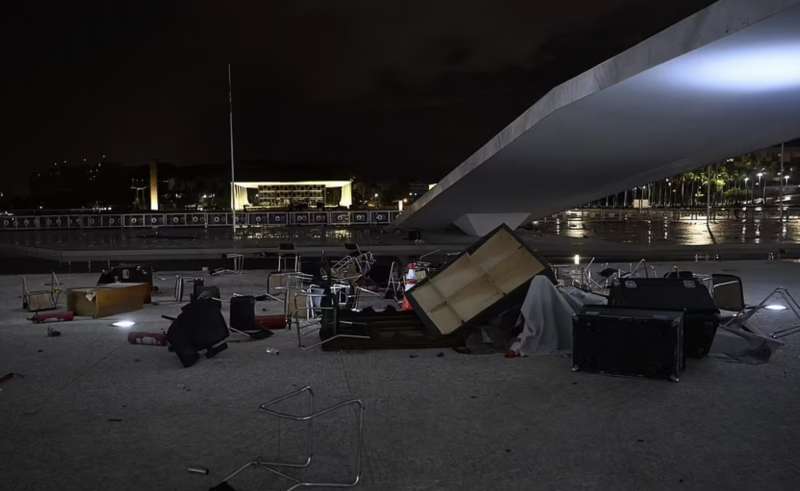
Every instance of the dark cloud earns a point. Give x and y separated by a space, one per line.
408 87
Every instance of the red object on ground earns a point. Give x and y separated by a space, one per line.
60 316
7 377
152 338
271 322
409 282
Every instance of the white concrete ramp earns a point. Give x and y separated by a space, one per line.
720 83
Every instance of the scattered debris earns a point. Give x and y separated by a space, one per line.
9 376
114 420
273 351
440 355
40 351
149 338
413 355
60 316
270 322
197 470
52 333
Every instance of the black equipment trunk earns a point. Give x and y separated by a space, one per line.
243 312
702 316
626 341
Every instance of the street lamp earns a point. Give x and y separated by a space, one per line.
745 188
763 188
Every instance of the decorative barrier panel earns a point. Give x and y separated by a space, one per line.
197 219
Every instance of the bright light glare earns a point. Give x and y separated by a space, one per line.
775 306
124 324
766 67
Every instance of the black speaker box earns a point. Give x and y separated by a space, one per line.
689 295
243 312
625 341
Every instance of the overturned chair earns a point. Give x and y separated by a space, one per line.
728 295
323 305
44 299
313 413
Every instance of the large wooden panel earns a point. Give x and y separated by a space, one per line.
495 269
106 300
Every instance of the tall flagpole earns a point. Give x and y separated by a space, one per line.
233 175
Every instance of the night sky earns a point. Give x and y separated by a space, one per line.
376 88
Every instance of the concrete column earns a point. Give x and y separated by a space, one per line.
154 186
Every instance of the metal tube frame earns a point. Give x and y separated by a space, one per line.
309 419
791 303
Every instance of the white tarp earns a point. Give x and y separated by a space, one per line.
546 318
546 315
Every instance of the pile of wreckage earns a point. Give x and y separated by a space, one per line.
495 296
498 296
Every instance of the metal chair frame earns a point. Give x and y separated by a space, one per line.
53 293
313 413
316 324
283 260
749 310
395 283
352 268
238 264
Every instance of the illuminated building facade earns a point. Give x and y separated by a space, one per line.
293 194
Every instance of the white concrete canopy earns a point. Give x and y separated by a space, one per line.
720 83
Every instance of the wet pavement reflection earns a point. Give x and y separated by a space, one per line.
678 227
622 226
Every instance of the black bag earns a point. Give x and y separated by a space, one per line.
200 326
207 293
626 341
702 316
243 313
126 273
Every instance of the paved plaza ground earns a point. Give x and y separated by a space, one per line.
87 410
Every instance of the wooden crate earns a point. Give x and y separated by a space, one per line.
107 300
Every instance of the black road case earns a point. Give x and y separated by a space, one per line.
628 341
243 312
701 318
